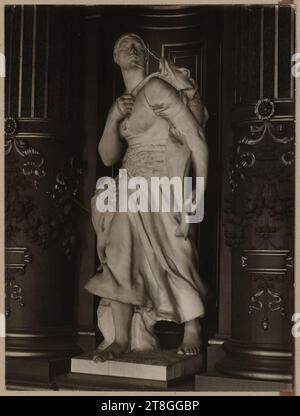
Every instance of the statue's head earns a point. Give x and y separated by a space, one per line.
130 51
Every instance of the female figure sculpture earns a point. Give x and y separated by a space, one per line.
148 260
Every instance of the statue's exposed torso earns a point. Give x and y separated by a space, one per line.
146 134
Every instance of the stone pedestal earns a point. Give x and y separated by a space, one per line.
154 368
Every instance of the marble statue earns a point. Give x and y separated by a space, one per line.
149 261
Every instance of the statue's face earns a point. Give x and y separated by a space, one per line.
130 53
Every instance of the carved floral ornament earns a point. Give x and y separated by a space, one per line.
259 210
34 165
268 271
276 144
266 300
25 169
10 126
55 225
260 178
13 293
264 109
16 261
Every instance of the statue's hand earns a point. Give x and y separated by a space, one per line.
122 107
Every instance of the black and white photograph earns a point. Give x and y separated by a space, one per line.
149 204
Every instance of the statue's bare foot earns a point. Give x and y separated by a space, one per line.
114 350
192 339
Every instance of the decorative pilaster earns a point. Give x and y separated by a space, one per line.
259 213
42 180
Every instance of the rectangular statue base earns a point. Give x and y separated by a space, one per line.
159 365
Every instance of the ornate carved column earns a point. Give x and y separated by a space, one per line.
42 180
260 208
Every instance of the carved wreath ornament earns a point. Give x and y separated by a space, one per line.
26 168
